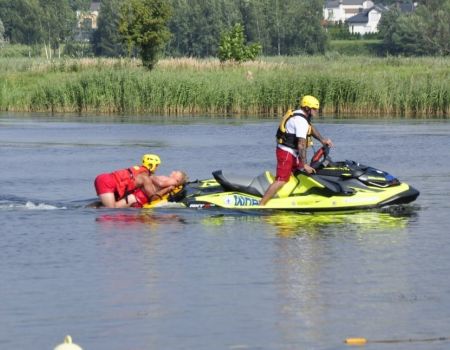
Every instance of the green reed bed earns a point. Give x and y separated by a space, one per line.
345 85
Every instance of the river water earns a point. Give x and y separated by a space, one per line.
198 279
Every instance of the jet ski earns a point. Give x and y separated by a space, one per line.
336 186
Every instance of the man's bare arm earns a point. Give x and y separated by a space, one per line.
302 150
302 156
316 134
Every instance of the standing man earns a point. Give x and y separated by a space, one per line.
293 138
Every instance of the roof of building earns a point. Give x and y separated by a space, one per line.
407 7
95 6
335 3
363 17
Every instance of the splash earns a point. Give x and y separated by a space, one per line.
28 205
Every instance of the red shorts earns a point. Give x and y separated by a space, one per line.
286 164
105 183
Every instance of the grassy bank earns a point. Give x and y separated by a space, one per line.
349 85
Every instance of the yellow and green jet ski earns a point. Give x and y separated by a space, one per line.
336 186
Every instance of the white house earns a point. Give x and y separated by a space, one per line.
366 21
341 10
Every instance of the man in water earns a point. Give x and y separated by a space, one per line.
117 185
161 186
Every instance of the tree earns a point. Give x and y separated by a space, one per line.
2 32
233 47
288 27
436 18
57 21
21 20
107 40
79 5
423 32
196 26
280 26
143 25
307 35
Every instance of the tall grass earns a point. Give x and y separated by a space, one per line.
345 85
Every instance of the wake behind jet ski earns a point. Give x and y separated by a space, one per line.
336 186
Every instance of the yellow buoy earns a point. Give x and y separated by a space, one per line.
356 341
68 345
363 341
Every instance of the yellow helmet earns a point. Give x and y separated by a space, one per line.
310 102
151 161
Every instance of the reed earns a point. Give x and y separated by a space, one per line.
409 87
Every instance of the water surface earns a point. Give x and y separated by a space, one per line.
193 279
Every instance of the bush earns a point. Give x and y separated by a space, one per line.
356 47
233 48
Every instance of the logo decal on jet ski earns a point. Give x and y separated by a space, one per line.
241 201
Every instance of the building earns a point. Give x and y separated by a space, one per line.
366 21
88 19
87 22
361 16
341 10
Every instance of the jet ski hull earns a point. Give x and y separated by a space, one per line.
336 186
401 194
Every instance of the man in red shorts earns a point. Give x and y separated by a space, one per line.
293 136
112 187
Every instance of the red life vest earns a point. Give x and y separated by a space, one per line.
125 179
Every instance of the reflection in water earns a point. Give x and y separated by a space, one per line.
311 257
293 224
311 262
146 218
296 224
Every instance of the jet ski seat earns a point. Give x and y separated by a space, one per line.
251 185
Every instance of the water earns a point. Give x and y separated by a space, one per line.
192 279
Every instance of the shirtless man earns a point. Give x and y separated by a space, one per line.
161 186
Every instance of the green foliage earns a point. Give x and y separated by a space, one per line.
57 21
2 32
436 17
233 47
37 21
18 50
21 21
373 86
79 5
281 26
307 33
196 26
423 32
78 49
356 47
107 40
143 25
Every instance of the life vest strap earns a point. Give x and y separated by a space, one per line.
131 173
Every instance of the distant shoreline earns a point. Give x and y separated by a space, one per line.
372 86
